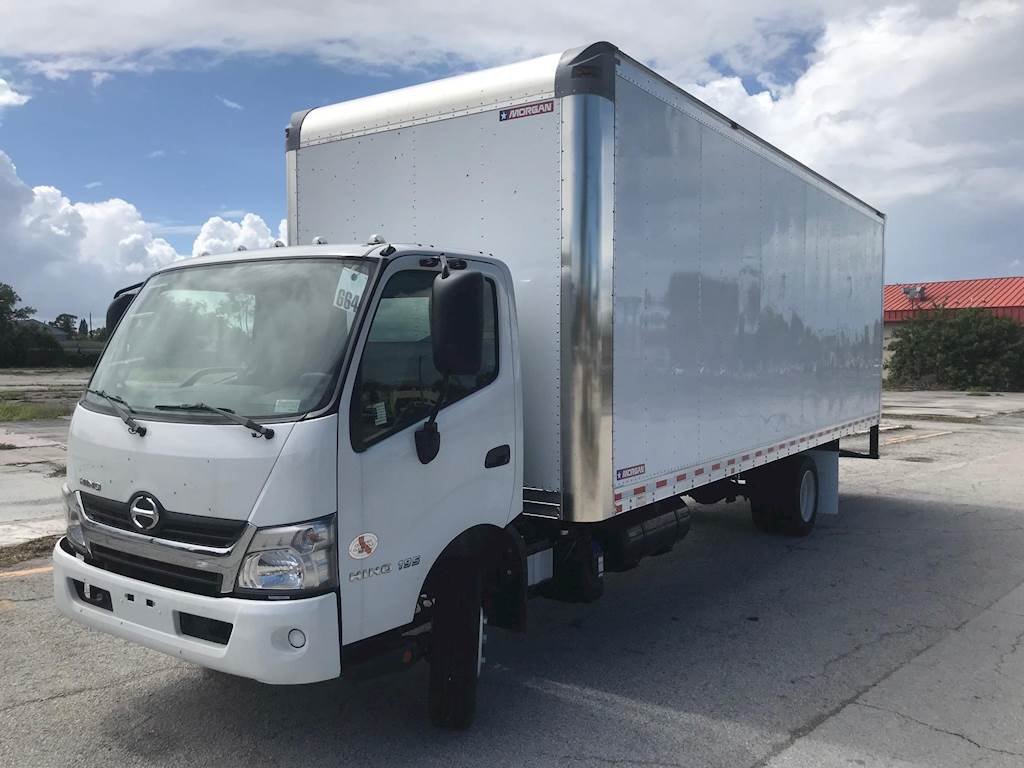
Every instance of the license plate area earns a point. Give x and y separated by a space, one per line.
129 605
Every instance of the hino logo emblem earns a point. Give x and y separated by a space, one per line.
144 512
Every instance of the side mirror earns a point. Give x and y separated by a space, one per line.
117 308
457 322
457 333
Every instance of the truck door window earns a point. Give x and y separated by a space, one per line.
397 383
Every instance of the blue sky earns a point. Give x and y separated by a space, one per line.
135 134
168 142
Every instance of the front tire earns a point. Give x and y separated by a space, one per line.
456 648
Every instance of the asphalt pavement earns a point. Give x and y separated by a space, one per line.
893 635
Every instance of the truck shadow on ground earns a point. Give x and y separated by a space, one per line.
729 642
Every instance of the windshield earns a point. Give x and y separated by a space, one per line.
261 338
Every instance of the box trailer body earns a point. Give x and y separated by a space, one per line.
590 296
692 302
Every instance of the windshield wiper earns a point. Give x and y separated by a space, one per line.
123 410
258 430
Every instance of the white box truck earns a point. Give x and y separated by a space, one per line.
596 295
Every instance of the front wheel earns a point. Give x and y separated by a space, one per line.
456 648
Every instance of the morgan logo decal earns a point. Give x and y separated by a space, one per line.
627 472
363 545
526 110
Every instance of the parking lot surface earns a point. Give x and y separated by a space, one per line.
893 635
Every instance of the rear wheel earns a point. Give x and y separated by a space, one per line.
456 648
801 501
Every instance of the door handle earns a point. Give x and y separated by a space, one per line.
497 457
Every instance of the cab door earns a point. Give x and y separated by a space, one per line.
396 514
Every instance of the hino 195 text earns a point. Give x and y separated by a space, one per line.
591 296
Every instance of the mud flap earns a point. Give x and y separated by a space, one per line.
827 463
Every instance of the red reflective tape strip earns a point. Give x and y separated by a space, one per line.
715 467
698 471
731 461
758 453
618 507
680 478
661 484
639 489
618 497
746 457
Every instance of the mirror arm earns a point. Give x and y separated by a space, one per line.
428 439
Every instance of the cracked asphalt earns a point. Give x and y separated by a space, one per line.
893 636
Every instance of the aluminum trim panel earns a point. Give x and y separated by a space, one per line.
588 147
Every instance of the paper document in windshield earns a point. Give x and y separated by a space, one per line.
350 290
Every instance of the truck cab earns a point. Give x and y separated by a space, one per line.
384 446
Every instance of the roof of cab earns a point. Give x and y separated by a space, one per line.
365 250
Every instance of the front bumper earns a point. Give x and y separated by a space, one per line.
258 646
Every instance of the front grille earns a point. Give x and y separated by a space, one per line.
156 572
174 526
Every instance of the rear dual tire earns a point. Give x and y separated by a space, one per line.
787 499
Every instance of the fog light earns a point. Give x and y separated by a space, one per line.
296 638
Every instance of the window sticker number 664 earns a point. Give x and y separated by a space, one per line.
408 562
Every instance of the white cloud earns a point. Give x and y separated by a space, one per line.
892 101
94 185
912 105
57 37
156 153
10 97
63 256
219 235
229 103
99 78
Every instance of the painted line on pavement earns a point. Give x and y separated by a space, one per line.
26 572
908 438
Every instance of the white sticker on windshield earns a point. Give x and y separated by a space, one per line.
380 414
349 290
286 406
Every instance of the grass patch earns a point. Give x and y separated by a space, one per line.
10 394
31 411
27 551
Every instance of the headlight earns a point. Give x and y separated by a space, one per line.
291 558
73 513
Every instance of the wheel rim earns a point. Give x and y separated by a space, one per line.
808 496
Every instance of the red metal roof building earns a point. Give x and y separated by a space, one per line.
1004 296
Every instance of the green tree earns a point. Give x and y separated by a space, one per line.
958 349
18 340
83 329
65 322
